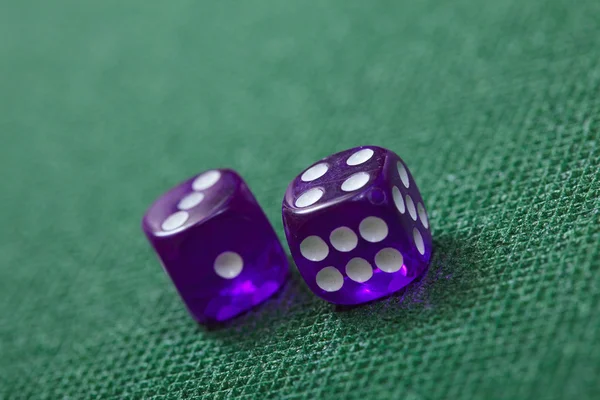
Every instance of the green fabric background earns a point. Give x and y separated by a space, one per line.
495 106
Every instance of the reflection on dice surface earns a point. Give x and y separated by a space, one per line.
217 245
357 226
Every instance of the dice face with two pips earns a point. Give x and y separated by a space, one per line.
357 226
217 245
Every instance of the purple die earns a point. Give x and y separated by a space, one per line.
217 245
356 225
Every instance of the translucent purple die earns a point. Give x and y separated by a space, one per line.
217 245
357 226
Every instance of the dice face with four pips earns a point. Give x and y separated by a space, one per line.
217 245
357 226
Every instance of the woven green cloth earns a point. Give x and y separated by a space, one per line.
495 107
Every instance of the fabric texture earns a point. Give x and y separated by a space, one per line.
494 106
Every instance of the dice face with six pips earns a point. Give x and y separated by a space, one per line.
217 245
357 226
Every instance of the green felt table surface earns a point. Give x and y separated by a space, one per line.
495 107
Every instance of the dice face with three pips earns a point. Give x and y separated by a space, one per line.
217 245
357 226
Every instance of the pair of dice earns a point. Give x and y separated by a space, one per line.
355 224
